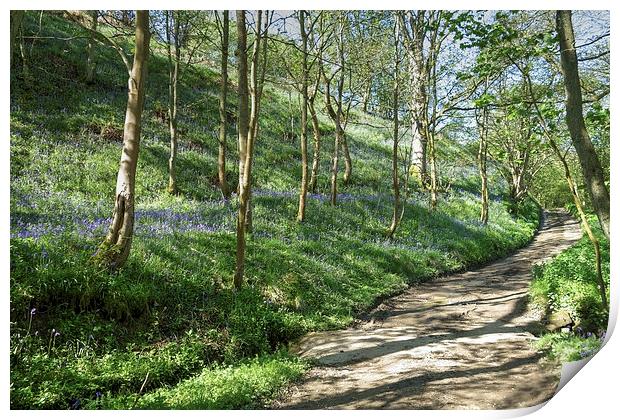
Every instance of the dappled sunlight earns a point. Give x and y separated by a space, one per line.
461 341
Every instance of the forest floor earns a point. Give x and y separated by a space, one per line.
462 341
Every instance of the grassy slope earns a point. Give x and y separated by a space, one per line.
171 313
568 283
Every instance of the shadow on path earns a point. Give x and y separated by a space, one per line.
460 341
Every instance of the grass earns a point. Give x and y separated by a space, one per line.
569 347
83 337
568 284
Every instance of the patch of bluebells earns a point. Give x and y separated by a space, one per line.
148 222
588 350
324 198
55 214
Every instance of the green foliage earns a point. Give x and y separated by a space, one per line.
244 385
171 311
568 347
568 283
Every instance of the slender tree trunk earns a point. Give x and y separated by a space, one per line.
587 228
484 190
257 93
395 179
334 177
221 157
316 156
173 68
243 129
590 163
247 131
348 166
115 248
367 94
335 116
433 178
90 60
482 166
24 56
304 120
16 22
573 189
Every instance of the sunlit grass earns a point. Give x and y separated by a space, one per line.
84 337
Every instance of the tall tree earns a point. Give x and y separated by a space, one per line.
303 190
316 135
590 163
247 129
114 250
395 135
258 74
482 122
414 27
173 46
336 114
221 156
561 155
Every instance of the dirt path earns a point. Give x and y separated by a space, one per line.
458 342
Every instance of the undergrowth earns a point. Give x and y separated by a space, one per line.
168 330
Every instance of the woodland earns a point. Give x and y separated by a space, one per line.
282 173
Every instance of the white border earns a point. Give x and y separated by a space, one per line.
591 394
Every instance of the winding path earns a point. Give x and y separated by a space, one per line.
458 342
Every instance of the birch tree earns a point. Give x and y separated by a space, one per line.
173 47
395 134
303 190
224 29
114 250
248 104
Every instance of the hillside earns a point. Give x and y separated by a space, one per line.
169 326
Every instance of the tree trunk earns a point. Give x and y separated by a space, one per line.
256 93
418 73
304 120
221 157
434 184
114 250
367 94
590 163
484 190
334 178
348 166
317 146
243 126
335 116
247 131
90 60
575 194
395 181
587 228
16 22
482 166
418 117
173 68
24 56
